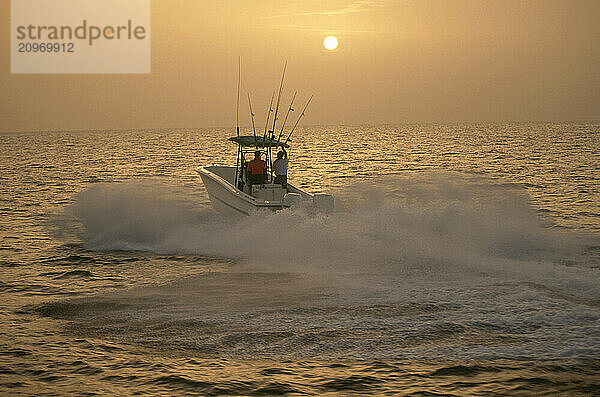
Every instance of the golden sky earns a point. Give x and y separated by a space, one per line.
398 61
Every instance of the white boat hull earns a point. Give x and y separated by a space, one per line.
226 199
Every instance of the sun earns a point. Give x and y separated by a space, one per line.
330 43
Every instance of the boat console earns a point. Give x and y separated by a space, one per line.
268 192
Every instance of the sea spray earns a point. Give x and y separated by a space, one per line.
442 222
423 268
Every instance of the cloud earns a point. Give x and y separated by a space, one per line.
357 6
336 31
354 7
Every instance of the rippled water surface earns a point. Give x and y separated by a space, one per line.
460 260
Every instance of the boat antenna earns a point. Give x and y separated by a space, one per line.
237 107
268 115
278 100
252 116
290 109
297 121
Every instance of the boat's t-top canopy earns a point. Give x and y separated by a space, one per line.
258 141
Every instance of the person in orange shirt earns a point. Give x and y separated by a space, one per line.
257 170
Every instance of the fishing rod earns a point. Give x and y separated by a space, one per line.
252 115
278 100
268 115
290 109
237 120
237 107
297 121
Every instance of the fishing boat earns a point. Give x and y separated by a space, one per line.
231 189
230 193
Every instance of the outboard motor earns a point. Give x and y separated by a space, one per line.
292 200
323 203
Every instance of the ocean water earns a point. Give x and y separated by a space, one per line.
462 259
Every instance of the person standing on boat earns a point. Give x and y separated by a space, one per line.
257 170
280 167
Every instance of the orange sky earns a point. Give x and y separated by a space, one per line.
398 61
